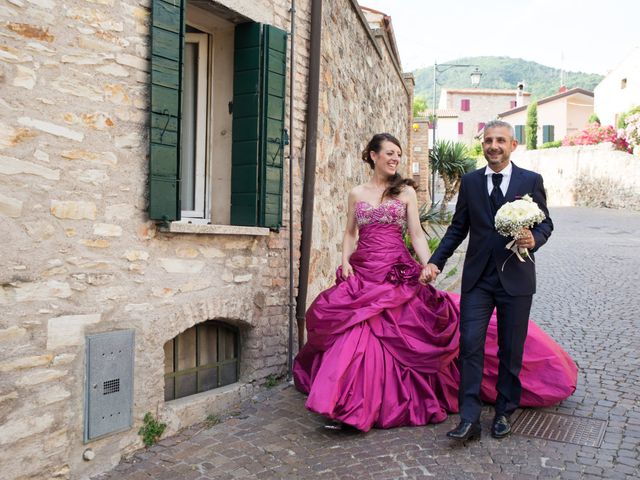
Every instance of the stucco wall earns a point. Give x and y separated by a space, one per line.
578 113
483 108
619 90
552 113
517 118
567 114
586 175
447 129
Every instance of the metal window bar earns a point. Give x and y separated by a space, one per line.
199 368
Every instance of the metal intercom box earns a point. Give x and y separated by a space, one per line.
109 387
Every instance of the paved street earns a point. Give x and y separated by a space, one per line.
587 300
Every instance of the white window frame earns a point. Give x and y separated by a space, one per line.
201 210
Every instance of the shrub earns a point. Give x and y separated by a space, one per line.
632 129
593 118
212 419
476 151
434 243
622 120
271 381
151 430
554 144
594 134
451 160
431 216
419 106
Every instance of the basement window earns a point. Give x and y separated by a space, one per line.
201 358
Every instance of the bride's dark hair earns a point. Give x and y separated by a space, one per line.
396 183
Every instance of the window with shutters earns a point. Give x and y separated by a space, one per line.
460 128
465 104
217 118
547 133
519 130
481 126
513 103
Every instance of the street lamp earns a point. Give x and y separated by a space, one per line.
475 77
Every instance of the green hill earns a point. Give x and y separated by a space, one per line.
503 73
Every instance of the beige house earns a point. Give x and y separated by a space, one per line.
559 115
154 175
619 90
475 107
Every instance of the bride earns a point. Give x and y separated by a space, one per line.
382 343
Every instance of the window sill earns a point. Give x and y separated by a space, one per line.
193 409
207 229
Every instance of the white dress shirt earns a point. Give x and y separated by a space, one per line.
506 177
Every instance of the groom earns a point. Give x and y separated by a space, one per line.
492 278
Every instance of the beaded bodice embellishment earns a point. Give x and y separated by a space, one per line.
391 211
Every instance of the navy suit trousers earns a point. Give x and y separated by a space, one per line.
476 307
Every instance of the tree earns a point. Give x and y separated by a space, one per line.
593 118
476 151
419 106
532 126
451 160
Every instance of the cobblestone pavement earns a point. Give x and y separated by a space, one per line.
587 300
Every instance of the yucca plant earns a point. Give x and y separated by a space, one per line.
451 160
429 216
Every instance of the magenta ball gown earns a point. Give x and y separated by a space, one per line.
382 348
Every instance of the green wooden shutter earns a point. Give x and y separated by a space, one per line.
272 139
520 134
258 125
167 37
245 149
547 133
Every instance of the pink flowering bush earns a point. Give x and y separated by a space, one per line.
596 133
632 129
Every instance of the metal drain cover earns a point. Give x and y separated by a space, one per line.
560 427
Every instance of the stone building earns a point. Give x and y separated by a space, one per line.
144 204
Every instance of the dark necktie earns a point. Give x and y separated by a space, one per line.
497 198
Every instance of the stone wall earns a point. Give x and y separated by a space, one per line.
591 175
80 255
361 94
420 155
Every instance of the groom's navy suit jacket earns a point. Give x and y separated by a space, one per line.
474 215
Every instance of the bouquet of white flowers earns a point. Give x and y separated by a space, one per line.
515 216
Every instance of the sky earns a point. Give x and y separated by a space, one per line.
591 36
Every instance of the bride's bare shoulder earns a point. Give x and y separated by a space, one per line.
357 192
407 194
